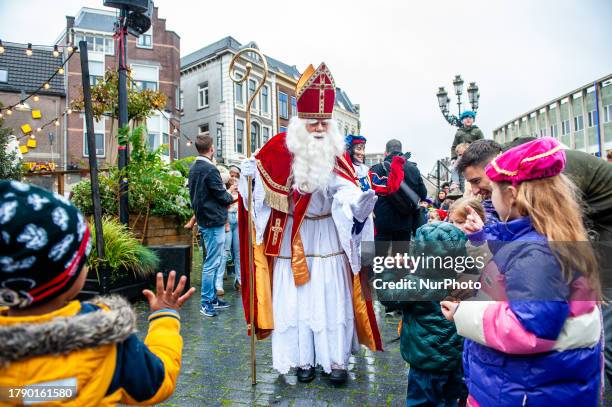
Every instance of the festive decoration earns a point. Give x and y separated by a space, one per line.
31 143
36 114
26 129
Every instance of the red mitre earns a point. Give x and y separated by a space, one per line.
316 92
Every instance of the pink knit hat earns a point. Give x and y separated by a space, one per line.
537 159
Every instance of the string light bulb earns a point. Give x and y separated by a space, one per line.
29 49
1 47
57 123
9 112
1 115
189 143
55 51
69 111
175 130
36 98
46 85
32 136
60 70
38 130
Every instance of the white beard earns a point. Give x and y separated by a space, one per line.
313 158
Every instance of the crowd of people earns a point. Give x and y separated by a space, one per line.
535 334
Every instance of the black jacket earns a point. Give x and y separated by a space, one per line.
209 199
386 216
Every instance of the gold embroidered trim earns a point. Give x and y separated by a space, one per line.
524 160
318 72
276 200
269 179
321 256
303 115
546 154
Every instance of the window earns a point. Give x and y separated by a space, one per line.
265 99
283 108
542 132
219 142
554 131
239 134
608 113
293 106
97 43
3 76
175 148
266 135
282 129
109 46
153 132
565 127
99 136
252 87
203 128
166 144
177 98
145 76
578 123
591 118
181 100
238 91
255 144
96 72
203 95
146 40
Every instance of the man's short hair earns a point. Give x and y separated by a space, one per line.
393 146
609 156
203 143
479 153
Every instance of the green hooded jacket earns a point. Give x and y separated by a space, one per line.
465 135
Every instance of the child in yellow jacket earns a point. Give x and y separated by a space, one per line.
56 350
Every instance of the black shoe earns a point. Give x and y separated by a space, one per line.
305 375
338 376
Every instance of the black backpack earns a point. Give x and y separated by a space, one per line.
405 200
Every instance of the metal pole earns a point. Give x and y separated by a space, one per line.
459 104
91 148
438 175
123 116
250 99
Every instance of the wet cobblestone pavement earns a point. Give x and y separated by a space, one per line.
216 368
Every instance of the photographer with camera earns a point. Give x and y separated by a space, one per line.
395 214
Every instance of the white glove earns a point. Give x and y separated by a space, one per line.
363 207
248 167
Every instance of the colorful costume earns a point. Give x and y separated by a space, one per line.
309 293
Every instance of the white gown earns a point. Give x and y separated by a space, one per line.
314 323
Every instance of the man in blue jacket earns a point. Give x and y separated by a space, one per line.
209 200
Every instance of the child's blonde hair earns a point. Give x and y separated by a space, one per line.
459 207
554 207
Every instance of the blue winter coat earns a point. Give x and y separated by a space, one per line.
536 345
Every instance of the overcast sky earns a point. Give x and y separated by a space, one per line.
391 56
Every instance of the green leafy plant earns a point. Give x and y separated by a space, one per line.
122 252
155 187
10 167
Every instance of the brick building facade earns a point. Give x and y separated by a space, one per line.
154 61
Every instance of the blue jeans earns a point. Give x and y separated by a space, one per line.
232 243
213 239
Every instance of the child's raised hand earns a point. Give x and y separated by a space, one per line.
167 297
473 222
448 309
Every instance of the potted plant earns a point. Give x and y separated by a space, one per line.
127 266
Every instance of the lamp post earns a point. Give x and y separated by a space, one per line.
444 100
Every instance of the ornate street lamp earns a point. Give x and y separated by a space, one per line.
444 100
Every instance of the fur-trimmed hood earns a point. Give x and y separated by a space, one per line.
62 335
